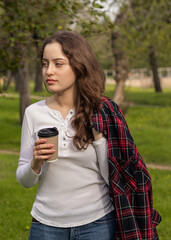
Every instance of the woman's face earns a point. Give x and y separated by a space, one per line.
58 75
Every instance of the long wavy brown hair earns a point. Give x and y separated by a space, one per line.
90 80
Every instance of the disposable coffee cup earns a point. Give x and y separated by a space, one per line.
51 135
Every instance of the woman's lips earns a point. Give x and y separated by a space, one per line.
51 81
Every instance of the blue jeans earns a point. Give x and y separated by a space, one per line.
101 229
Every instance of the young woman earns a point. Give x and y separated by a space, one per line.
98 188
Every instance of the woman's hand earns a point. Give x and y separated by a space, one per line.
41 152
97 135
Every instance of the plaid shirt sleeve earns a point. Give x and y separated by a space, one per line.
129 181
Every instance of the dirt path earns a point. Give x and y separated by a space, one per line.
9 152
15 95
157 166
149 165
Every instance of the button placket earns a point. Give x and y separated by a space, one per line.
65 133
64 141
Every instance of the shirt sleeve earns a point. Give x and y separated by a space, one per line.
101 151
24 174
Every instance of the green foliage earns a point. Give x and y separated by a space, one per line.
144 24
147 24
102 48
24 25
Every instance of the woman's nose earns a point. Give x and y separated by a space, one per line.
50 70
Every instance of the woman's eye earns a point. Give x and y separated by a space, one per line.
58 64
44 64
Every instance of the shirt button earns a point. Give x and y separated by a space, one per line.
71 112
64 138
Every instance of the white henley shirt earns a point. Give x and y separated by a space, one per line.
73 190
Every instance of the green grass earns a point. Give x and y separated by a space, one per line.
9 123
146 96
149 121
10 128
161 182
16 201
150 125
151 130
42 94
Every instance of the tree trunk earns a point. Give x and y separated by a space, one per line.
154 67
121 68
118 96
8 81
21 77
38 78
24 90
17 83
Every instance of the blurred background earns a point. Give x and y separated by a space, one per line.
132 41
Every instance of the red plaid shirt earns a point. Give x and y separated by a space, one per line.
129 181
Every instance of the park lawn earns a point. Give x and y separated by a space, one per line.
148 96
10 127
16 201
43 94
151 130
149 120
150 125
161 182
143 96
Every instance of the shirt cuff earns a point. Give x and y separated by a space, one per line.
33 173
99 141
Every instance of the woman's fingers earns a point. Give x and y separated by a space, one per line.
43 153
42 150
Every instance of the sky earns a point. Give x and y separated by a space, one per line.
110 7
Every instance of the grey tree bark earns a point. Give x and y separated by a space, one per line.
154 68
121 64
9 76
24 90
38 78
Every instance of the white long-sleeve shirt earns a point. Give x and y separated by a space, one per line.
73 190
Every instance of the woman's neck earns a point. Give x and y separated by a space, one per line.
61 106
61 101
